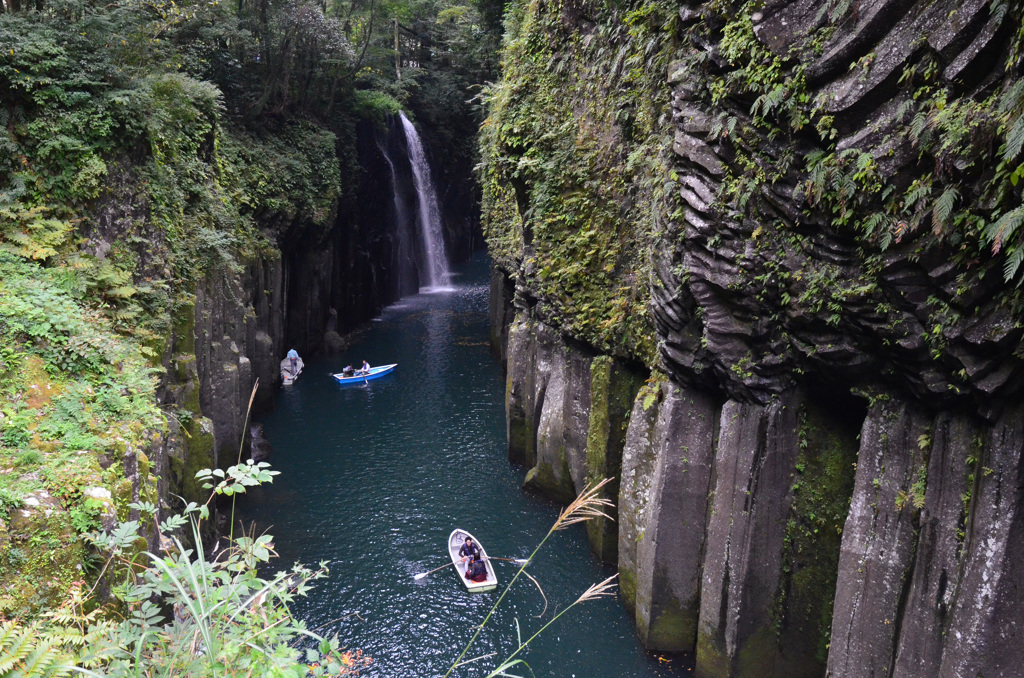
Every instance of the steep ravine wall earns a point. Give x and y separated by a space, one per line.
819 462
306 292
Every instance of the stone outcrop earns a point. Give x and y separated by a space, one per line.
820 475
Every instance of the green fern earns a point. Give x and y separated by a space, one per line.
25 653
943 209
1001 230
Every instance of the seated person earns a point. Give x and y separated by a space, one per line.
348 371
365 369
476 571
469 549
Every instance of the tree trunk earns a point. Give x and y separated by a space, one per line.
398 54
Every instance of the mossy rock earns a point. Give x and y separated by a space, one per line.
41 560
542 479
627 589
672 630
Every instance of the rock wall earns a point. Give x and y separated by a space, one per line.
778 538
820 466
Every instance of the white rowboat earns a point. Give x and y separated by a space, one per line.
455 541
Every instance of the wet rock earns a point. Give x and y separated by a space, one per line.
528 367
639 461
933 584
986 623
613 388
879 540
560 469
757 452
333 343
261 448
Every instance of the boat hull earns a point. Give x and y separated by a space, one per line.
288 377
375 373
455 541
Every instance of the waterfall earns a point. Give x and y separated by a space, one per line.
435 264
404 253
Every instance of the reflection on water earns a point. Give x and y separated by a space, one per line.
375 476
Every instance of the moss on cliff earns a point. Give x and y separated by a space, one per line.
821 499
612 390
572 165
79 410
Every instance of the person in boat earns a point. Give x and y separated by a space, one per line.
293 361
348 371
476 570
365 369
469 550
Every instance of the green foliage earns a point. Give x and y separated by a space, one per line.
182 613
26 233
374 104
27 653
573 166
27 459
9 499
73 392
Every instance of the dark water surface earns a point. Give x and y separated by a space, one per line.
373 479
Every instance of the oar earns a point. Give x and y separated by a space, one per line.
421 575
517 561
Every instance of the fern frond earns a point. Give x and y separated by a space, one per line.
943 209
16 645
45 661
1013 262
1014 139
1001 230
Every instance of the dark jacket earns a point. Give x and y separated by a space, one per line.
470 550
477 571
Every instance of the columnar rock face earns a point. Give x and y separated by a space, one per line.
668 549
878 543
550 414
820 475
754 470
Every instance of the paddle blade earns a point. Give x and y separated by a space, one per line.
421 575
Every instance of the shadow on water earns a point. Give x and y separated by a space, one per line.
374 477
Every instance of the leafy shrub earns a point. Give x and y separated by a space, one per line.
85 515
9 499
29 458
374 105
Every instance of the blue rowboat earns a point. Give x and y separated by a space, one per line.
357 378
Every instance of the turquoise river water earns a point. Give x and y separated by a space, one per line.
373 479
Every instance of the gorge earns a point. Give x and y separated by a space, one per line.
758 262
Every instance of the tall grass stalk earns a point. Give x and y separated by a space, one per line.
587 506
241 446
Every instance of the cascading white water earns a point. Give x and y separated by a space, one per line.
435 264
402 228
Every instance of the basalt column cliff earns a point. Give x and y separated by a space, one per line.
759 263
